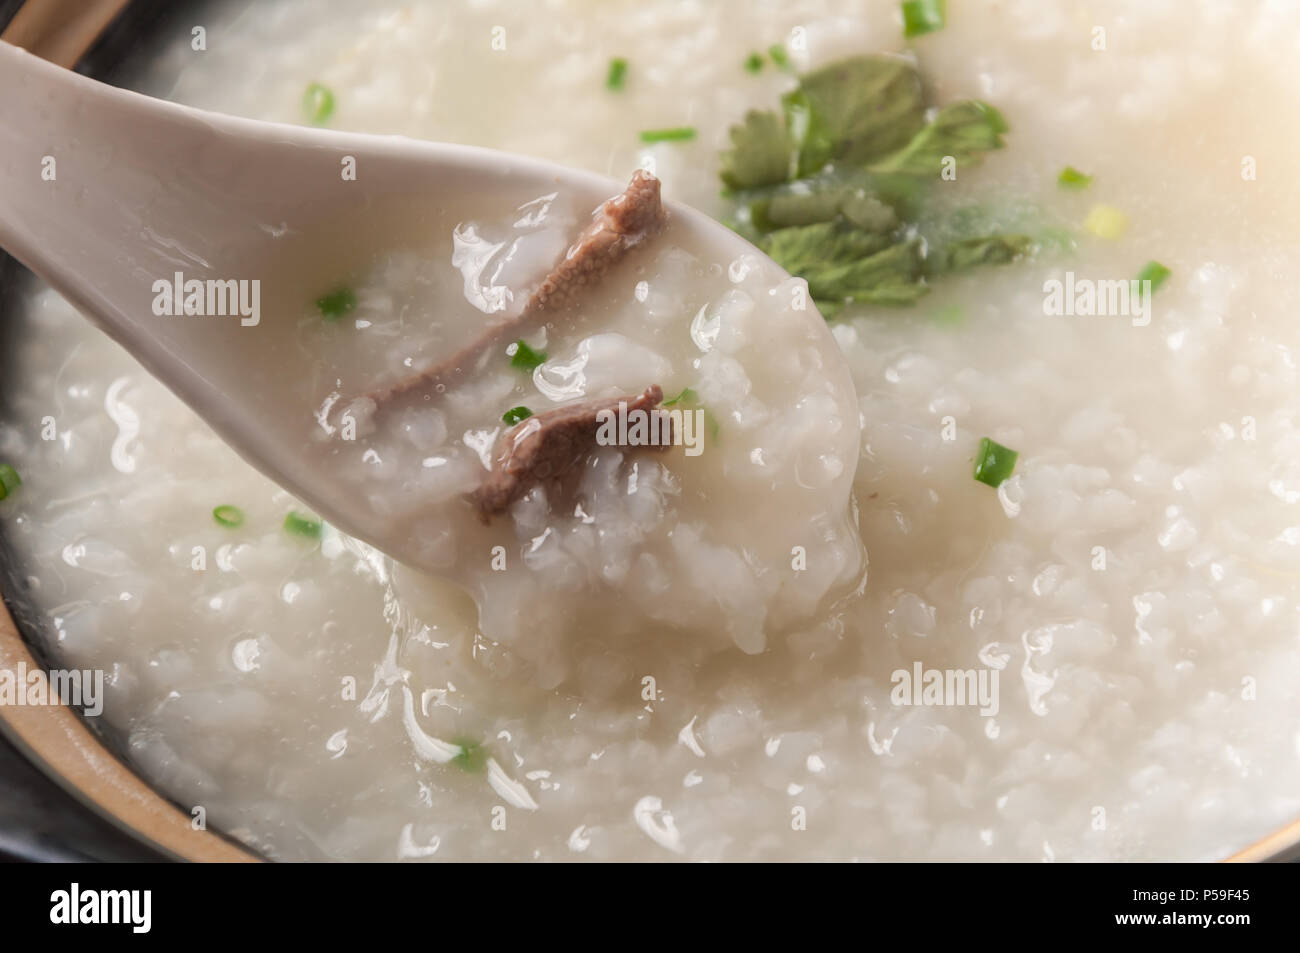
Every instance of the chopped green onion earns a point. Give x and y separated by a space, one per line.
228 515
337 303
617 74
994 463
301 525
1072 178
524 357
318 103
687 396
9 480
678 134
1155 273
516 414
779 56
754 62
923 16
472 756
1106 221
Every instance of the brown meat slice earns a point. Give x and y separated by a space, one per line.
617 226
545 447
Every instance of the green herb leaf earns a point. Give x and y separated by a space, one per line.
516 414
228 516
835 189
923 16
762 152
687 396
994 462
779 56
9 480
317 103
891 277
304 526
1072 178
1155 273
854 111
676 134
985 250
786 209
524 357
336 304
802 248
1056 239
617 75
869 212
965 131
754 62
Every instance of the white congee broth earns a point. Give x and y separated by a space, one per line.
712 655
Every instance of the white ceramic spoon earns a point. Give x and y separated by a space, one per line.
104 191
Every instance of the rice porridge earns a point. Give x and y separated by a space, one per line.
724 655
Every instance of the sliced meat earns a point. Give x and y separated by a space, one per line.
617 226
545 447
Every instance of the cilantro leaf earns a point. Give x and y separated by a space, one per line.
985 250
762 152
837 187
964 130
862 209
802 248
854 111
890 277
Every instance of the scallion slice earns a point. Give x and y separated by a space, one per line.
301 525
227 515
617 76
779 56
516 414
524 357
337 303
689 401
923 16
1106 221
754 62
9 480
676 134
1155 273
472 757
994 462
318 103
1072 178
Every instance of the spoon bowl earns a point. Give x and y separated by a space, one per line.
124 203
